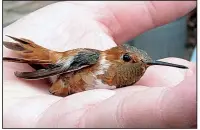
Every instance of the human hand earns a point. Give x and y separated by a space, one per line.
165 97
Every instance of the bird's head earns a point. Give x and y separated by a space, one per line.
128 64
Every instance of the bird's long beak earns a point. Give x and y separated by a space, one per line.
166 64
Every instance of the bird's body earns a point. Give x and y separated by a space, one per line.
103 74
82 69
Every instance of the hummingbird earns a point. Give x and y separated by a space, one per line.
82 69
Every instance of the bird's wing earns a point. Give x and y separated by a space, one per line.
83 58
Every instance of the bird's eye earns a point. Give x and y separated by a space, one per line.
126 57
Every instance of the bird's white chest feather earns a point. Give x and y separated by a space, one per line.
104 65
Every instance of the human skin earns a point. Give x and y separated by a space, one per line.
165 97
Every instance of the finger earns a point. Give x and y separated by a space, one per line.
24 110
179 104
163 76
51 111
70 27
157 107
125 20
121 20
68 112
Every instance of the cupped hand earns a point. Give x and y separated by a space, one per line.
165 97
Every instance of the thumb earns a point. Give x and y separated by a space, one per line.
155 107
179 103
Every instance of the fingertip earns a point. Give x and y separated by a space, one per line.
179 103
191 71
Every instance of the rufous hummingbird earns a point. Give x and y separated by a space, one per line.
81 69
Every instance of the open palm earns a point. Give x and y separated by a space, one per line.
165 97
